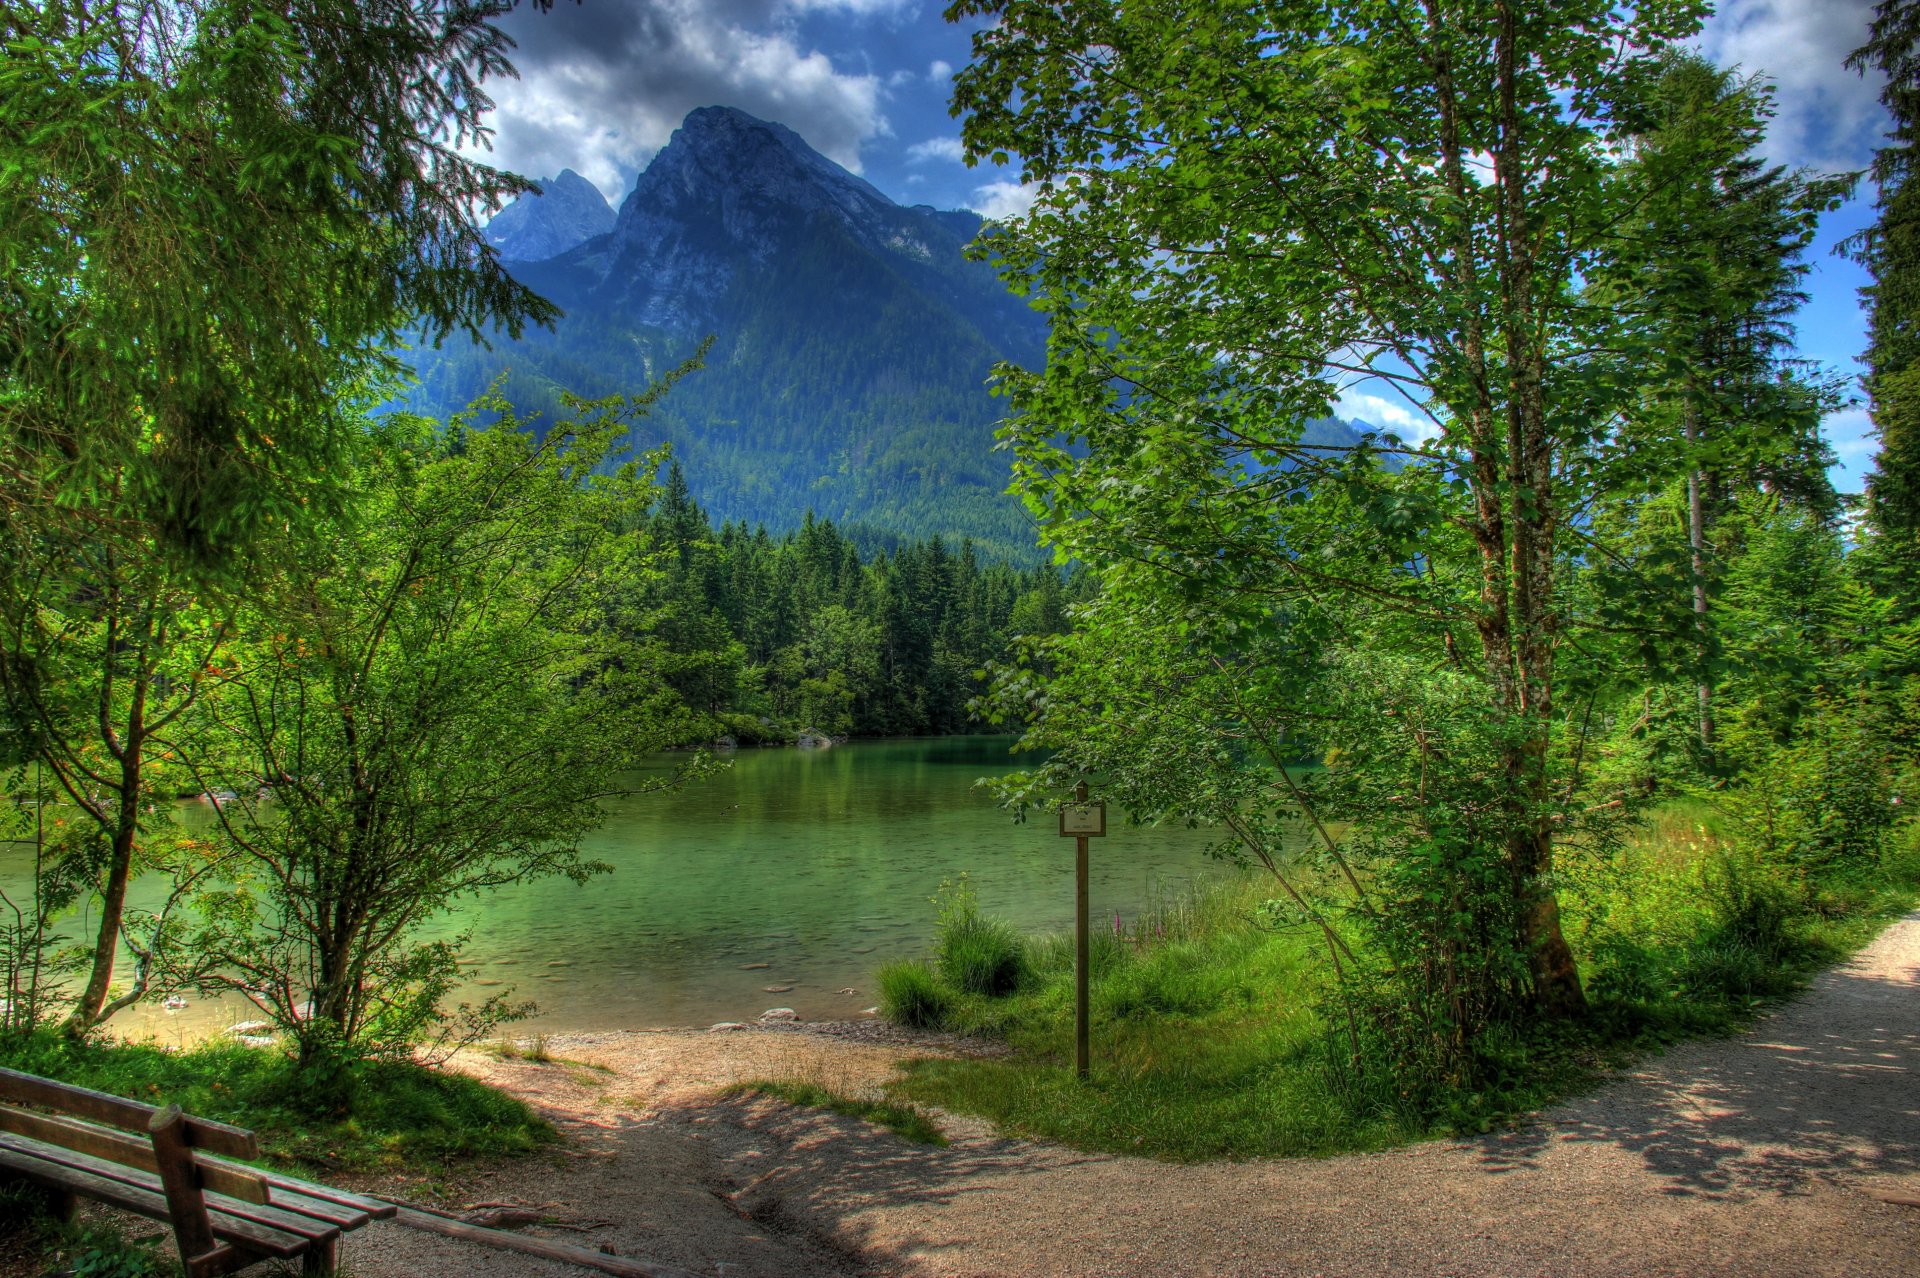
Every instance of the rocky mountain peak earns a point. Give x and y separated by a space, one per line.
567 211
752 175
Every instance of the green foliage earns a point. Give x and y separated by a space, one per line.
904 1121
116 1260
1217 1035
770 636
911 995
400 1114
1890 250
208 243
371 790
975 955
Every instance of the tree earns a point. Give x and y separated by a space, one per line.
431 706
220 216
1312 193
1710 259
1890 250
108 649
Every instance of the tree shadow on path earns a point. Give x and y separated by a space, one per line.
1827 1088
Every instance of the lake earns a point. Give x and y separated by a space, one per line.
821 865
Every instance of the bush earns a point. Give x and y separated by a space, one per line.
982 956
911 995
976 955
1753 907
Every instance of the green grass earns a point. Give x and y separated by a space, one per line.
1209 1039
398 1114
904 1121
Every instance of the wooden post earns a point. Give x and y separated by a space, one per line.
1082 820
1082 954
181 1181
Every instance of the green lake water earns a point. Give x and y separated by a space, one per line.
818 864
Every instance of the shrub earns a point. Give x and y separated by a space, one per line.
976 955
911 995
983 956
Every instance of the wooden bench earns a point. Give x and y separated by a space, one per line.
75 1142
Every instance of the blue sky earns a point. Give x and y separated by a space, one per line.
604 83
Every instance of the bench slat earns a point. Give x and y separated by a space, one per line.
128 1151
286 1221
117 1111
335 1214
116 1190
377 1208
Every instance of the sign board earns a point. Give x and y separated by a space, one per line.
1083 819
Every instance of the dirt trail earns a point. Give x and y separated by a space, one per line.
1758 1155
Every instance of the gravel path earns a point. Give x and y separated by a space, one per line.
1764 1154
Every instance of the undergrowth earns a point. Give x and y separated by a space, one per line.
1212 1034
395 1113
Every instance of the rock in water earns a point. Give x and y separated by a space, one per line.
722 1027
779 1014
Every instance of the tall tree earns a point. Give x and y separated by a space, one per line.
1309 193
1890 250
1710 259
220 214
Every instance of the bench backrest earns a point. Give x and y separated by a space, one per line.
101 1125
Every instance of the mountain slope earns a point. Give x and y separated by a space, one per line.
567 211
852 339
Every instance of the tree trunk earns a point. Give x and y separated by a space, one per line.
1697 541
1532 517
125 841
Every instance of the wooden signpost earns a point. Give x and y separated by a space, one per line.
1081 820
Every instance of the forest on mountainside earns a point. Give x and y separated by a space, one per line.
773 635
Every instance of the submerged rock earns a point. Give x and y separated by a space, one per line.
779 1014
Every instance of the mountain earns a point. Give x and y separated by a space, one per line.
853 339
564 212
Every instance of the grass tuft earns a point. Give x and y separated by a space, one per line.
911 995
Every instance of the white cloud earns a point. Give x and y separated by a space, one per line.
1829 117
939 69
937 149
602 88
998 201
1383 414
1850 431
859 8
